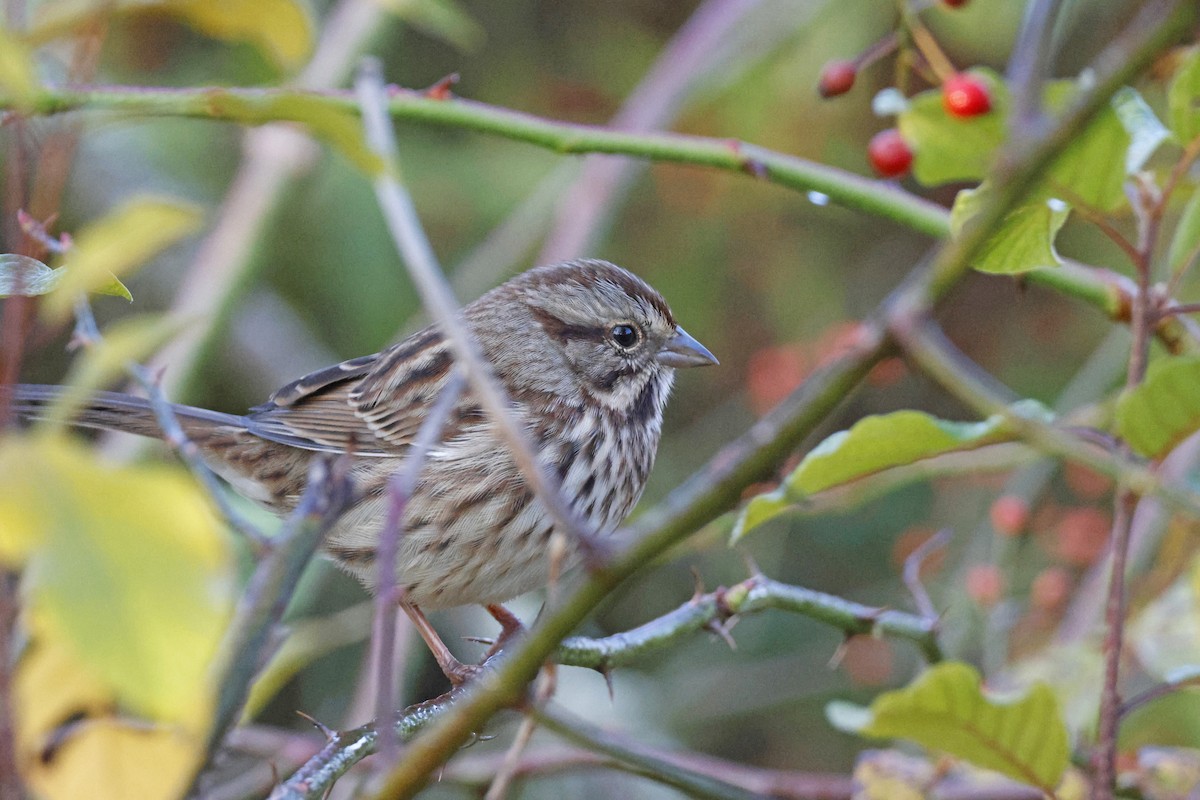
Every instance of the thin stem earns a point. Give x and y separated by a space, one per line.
255 106
400 488
10 777
248 640
1104 780
405 227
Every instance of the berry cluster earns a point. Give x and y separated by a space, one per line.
963 95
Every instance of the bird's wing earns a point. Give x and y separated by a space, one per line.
393 399
372 406
315 413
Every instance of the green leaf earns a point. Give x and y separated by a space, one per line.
948 148
1145 130
873 444
946 710
1024 240
28 277
1186 238
118 243
130 567
1092 168
1172 720
1164 409
1183 98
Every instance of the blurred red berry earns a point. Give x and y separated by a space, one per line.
965 96
1085 483
1082 535
837 77
1009 515
1050 589
955 3
985 585
890 155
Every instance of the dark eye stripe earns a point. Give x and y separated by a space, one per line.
562 331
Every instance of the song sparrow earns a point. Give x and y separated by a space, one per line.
586 352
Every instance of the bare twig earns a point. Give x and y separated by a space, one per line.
912 571
248 639
177 440
400 488
10 777
405 227
1029 65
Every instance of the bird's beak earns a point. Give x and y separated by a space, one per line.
682 351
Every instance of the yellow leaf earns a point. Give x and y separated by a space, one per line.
23 522
111 759
18 78
279 28
118 243
52 687
130 567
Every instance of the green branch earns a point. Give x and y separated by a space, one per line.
343 750
319 109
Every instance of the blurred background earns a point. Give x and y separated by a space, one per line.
770 280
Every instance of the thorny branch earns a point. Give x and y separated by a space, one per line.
709 611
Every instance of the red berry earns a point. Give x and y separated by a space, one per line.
837 77
1010 515
985 585
965 96
890 155
954 3
1050 589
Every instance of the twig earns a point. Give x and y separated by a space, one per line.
645 763
912 571
10 777
1029 65
754 594
1154 692
177 440
246 643
406 230
1104 779
498 789
930 349
344 749
400 488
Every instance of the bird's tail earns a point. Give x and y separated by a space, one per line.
111 411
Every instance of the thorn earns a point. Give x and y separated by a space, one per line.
751 565
698 584
328 732
722 631
489 641
442 89
840 653
607 672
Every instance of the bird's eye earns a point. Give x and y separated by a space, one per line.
625 336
